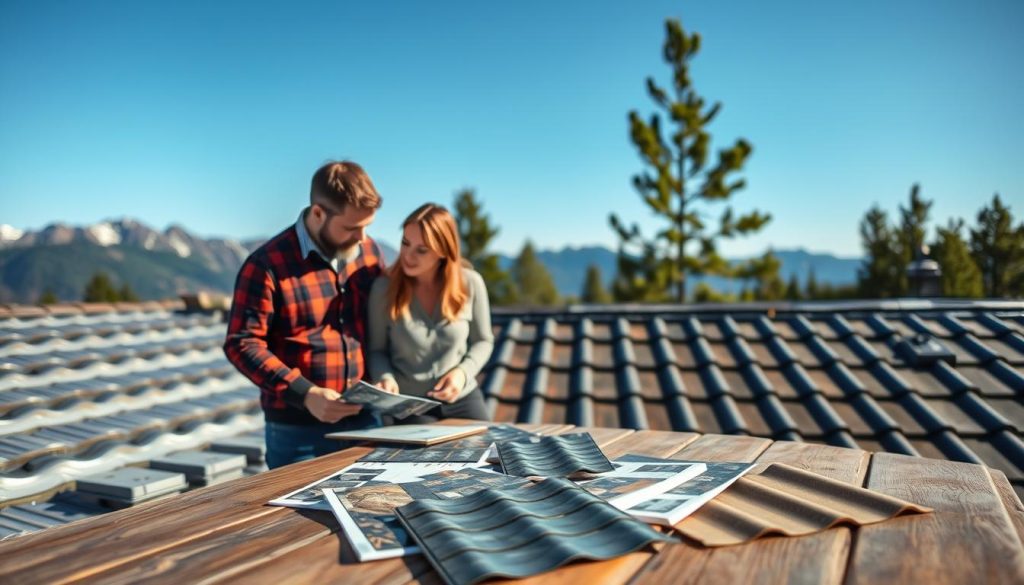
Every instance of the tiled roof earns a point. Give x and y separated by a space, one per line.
87 390
933 379
90 389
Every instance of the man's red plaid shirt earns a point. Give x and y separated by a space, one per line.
296 323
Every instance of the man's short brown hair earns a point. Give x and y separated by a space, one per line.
342 183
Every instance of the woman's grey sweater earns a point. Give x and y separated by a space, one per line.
422 346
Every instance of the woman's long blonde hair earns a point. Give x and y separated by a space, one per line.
440 235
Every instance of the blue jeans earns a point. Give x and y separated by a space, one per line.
287 443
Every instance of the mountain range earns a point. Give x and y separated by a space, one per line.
163 264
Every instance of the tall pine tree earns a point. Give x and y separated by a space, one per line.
100 289
534 282
879 275
960 274
998 249
593 287
657 268
910 237
476 233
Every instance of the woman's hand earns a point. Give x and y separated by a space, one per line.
449 386
388 385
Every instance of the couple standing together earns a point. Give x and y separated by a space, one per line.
315 310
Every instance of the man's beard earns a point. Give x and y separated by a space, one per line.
332 247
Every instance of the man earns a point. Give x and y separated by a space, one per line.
298 318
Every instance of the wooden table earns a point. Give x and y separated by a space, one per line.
226 533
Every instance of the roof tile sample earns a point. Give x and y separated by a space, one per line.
521 532
553 456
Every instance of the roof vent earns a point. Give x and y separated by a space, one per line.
924 350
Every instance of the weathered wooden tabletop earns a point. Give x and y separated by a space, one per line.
227 533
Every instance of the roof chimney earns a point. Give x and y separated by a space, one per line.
924 275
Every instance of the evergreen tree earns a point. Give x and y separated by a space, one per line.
703 293
998 250
126 294
960 274
879 276
476 233
654 269
593 288
764 272
793 289
533 280
100 289
48 297
811 289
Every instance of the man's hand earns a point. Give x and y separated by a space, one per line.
448 387
388 385
325 404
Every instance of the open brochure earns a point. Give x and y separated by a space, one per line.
634 482
357 475
670 507
396 405
367 512
475 449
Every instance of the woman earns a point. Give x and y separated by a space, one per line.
429 321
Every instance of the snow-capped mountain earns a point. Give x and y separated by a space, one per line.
215 253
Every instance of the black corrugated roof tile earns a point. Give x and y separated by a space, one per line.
1011 379
1009 347
826 416
996 325
623 352
757 381
985 415
1011 446
877 419
764 355
951 378
841 327
954 448
880 326
841 438
714 382
741 352
923 413
775 415
897 442
603 355
730 420
781 350
845 379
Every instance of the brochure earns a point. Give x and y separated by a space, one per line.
356 475
367 512
396 405
634 482
670 507
412 434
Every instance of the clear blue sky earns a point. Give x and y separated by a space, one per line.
214 114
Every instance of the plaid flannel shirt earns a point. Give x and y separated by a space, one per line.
296 323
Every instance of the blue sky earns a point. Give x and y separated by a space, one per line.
214 114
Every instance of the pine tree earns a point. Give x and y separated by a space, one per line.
126 294
960 274
593 288
656 268
811 289
100 289
476 233
48 297
879 276
998 250
793 289
534 282
764 272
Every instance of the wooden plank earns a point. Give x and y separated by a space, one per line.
1012 504
101 543
650 443
811 559
968 539
602 436
723 448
